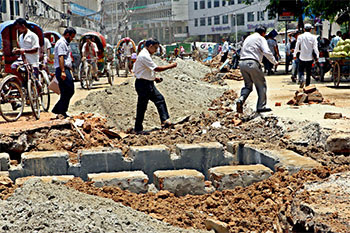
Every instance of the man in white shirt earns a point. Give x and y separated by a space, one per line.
253 50
128 49
225 50
144 69
90 51
306 45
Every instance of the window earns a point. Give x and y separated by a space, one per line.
231 2
202 4
216 3
240 19
3 6
225 19
196 22
261 16
202 22
196 5
250 16
209 3
209 21
216 20
270 17
223 2
179 29
17 8
239 2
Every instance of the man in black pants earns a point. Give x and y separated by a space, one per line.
144 69
63 66
306 45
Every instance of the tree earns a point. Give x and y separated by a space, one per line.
327 9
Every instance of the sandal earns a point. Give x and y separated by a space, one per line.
166 124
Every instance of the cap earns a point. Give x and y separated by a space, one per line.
308 26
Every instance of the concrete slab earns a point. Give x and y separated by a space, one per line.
45 163
180 182
228 177
339 143
4 162
46 179
102 160
150 159
16 171
134 181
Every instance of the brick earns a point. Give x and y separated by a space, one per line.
45 163
315 96
46 179
302 98
134 181
150 159
338 143
4 162
102 160
291 102
216 225
310 89
332 115
180 182
278 104
228 177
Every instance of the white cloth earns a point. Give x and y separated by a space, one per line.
306 43
225 47
47 45
127 49
30 41
255 47
144 66
90 51
62 48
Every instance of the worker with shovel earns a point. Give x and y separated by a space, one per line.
144 69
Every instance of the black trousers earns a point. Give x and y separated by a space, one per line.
224 57
305 65
146 91
67 91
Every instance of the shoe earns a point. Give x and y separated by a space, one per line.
166 124
264 110
16 106
293 79
239 106
302 84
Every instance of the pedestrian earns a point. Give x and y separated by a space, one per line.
63 66
335 40
225 50
307 46
295 62
144 70
274 50
254 48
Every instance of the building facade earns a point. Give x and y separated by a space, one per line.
210 20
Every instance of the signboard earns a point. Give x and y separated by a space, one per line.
286 16
83 11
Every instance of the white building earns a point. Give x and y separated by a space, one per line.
212 20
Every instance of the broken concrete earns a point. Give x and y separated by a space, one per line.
180 182
134 181
323 206
46 179
216 225
4 162
228 177
338 143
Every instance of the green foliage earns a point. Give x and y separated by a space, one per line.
327 9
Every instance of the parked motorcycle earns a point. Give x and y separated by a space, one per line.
323 65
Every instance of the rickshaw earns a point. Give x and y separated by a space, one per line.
340 69
19 86
121 57
53 38
85 69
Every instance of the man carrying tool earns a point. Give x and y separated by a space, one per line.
144 69
253 50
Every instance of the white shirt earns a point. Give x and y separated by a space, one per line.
306 43
47 45
255 47
225 47
144 66
90 51
62 48
127 49
30 41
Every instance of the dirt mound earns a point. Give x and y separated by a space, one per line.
184 92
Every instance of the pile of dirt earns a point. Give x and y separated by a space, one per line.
184 92
41 207
260 207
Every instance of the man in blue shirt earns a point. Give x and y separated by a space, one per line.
335 40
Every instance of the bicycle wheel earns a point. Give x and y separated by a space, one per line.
89 78
11 99
33 98
110 75
126 68
44 90
336 74
82 76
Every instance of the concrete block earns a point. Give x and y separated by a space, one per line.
276 159
16 172
103 160
201 156
150 159
4 162
74 169
45 163
228 177
134 181
339 143
46 179
216 225
180 182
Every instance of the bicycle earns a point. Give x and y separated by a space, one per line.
44 92
85 73
14 94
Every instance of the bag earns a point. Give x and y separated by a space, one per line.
54 86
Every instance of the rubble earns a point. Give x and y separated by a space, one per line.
308 95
